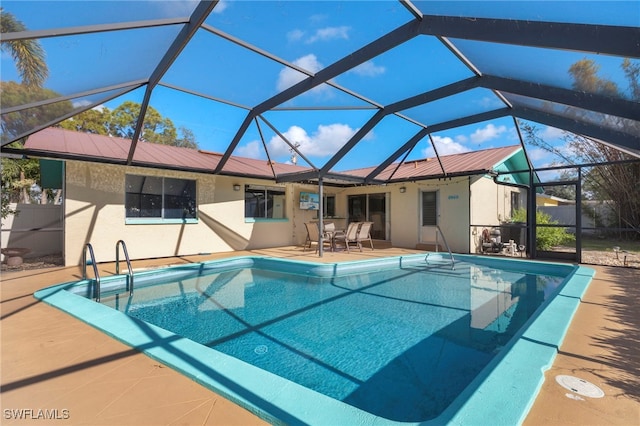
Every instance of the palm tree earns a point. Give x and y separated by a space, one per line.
27 54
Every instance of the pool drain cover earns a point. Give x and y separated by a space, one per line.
580 386
261 349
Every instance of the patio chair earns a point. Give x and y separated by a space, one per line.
348 237
313 237
364 234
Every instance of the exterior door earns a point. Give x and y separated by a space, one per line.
370 208
428 216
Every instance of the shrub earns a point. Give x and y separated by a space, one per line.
546 237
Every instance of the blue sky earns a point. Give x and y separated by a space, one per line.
310 35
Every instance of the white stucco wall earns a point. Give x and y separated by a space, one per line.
37 227
95 213
453 203
490 205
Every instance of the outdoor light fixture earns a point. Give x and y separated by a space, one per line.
493 173
403 189
236 187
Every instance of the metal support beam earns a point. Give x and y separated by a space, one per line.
588 101
615 138
234 143
90 29
433 95
406 147
603 39
531 217
198 16
361 133
471 119
368 52
320 217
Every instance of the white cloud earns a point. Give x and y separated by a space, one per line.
221 6
445 146
318 18
461 139
81 103
295 35
551 133
252 149
288 76
490 102
490 131
369 69
537 154
326 140
330 33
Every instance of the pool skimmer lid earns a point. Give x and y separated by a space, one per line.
580 386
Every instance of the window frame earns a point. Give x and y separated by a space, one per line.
515 196
325 205
268 192
164 197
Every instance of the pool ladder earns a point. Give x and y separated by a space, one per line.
439 231
88 247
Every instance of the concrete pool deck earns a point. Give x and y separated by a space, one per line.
51 361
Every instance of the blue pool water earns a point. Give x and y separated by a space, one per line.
399 339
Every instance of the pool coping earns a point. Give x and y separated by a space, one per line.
280 401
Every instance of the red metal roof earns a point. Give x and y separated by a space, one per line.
455 164
85 146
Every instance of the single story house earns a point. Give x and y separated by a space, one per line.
185 209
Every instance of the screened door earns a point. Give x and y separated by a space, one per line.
557 225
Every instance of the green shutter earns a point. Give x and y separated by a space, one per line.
51 174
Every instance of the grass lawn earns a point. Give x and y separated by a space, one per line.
607 244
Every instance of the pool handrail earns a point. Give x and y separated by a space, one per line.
438 230
95 268
126 258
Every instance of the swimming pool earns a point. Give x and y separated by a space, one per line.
394 340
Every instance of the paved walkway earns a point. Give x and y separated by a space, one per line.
53 362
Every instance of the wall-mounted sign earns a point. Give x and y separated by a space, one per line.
309 201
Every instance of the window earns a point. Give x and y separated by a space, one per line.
515 202
264 202
153 197
329 206
430 208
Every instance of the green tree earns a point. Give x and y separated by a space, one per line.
121 122
610 182
188 139
18 175
94 121
566 192
17 123
28 55
155 128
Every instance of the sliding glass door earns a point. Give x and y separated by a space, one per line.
370 208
